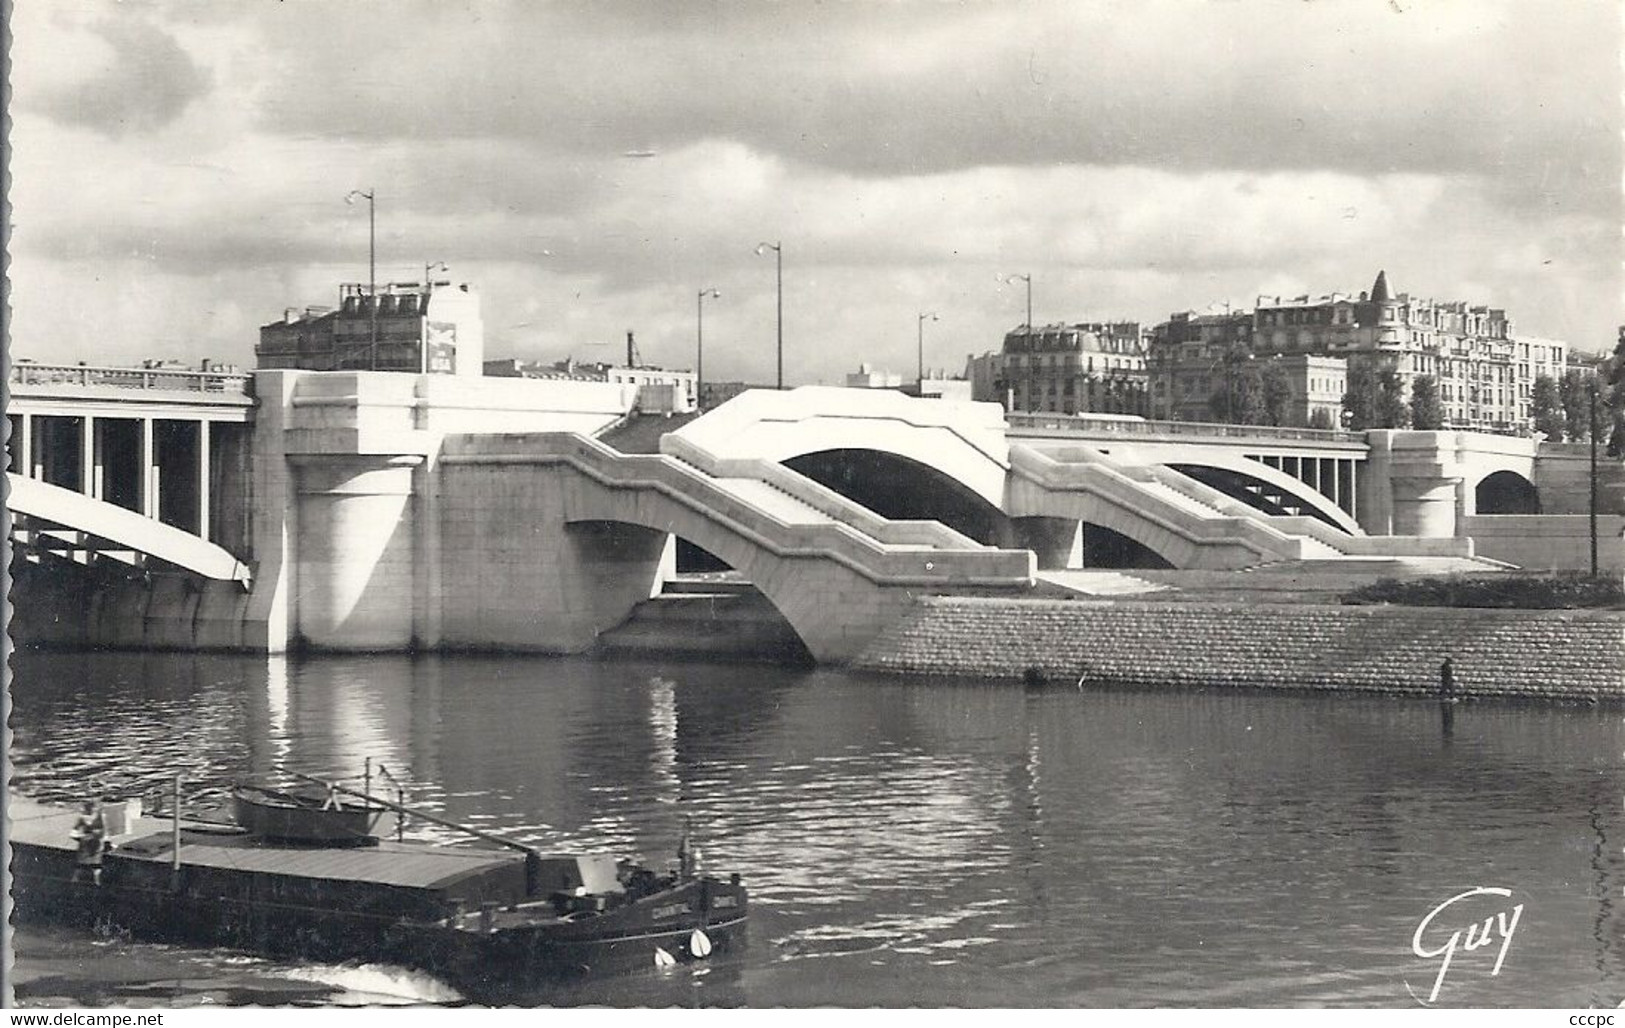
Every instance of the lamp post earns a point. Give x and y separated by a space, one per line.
1027 359
423 327
920 324
372 267
1593 510
428 270
778 261
699 341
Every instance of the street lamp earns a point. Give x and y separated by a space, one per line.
699 341
1593 510
920 324
778 260
423 329
1028 360
372 265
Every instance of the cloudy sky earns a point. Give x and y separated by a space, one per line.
179 168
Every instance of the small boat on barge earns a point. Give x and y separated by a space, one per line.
306 816
492 922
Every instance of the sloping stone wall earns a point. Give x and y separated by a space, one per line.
1553 654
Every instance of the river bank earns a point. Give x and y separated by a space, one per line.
1564 655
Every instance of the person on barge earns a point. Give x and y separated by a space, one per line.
90 835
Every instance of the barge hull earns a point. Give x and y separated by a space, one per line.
150 899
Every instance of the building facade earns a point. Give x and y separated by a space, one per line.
1193 357
1315 388
1484 371
659 391
425 328
869 377
1070 369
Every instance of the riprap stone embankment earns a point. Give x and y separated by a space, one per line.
1563 655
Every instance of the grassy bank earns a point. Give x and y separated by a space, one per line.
1501 590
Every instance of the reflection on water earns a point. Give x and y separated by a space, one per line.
936 843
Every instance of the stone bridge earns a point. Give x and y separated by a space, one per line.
396 511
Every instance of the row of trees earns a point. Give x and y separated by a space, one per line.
1558 407
1258 393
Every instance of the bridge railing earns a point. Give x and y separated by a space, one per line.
26 373
1097 426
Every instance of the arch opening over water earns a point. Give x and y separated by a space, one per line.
717 610
902 489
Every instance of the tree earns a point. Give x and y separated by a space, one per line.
1546 409
1574 393
1360 399
1320 417
1426 413
1250 409
1392 411
1613 370
1239 398
1277 395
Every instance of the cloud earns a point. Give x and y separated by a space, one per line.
1135 158
140 79
1504 90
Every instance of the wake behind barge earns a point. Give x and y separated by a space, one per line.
490 922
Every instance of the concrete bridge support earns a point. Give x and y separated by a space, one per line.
355 562
539 582
1057 542
1426 505
1413 485
587 551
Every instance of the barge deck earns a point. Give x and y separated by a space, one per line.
486 920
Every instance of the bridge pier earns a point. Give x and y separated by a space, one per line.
1415 485
1057 542
354 563
1426 505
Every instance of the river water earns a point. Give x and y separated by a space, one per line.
936 843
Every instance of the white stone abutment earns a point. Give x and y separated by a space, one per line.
355 564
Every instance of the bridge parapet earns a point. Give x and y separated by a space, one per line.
28 376
1099 427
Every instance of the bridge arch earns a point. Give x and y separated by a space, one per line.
1506 492
962 441
48 511
900 488
564 537
1106 548
1269 490
800 586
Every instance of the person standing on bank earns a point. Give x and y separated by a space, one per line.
1447 681
90 832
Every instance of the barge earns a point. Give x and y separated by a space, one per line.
492 922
